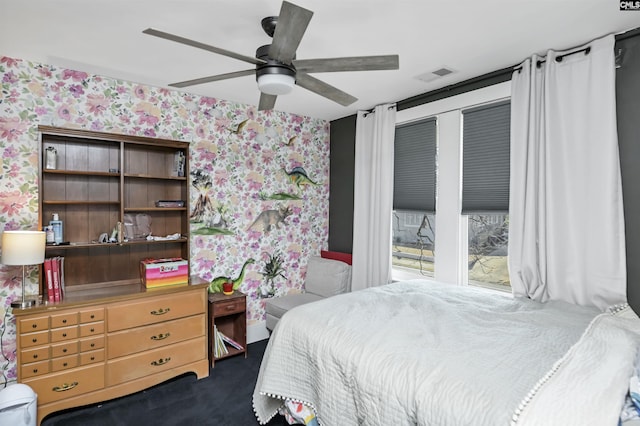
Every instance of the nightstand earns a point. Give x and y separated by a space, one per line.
228 314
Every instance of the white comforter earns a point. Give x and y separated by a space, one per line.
424 353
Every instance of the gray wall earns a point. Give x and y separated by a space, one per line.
342 146
628 111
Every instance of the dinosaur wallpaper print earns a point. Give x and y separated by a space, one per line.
259 180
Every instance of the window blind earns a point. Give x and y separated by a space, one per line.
414 185
485 158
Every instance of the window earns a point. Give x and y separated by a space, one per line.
488 243
475 238
414 198
485 193
413 242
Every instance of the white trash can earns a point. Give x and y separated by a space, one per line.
18 406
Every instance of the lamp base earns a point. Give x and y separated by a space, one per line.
27 303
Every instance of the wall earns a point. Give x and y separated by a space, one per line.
343 152
628 111
239 163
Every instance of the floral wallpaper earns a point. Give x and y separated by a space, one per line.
259 188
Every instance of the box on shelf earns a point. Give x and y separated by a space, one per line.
164 272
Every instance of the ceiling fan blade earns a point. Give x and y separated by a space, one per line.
266 102
197 44
292 23
353 63
213 78
323 89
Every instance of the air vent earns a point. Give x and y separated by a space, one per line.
442 72
433 75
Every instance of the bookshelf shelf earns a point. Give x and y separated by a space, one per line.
99 179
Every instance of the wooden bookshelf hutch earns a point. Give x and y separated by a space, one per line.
111 336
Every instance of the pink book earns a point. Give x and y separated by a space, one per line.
48 274
56 279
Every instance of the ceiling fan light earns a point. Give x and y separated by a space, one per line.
276 84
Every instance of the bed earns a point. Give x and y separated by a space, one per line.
425 353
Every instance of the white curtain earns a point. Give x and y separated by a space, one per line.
373 197
566 233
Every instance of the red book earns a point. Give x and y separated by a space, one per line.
48 275
56 279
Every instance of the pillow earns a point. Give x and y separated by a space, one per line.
336 255
327 277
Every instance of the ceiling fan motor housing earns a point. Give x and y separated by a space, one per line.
273 77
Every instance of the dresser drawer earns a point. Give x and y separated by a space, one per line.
67 384
91 343
66 333
64 363
92 315
143 364
34 339
221 308
34 324
154 336
64 319
155 310
91 357
91 329
64 349
34 369
34 355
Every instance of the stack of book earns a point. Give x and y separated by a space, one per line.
220 343
54 278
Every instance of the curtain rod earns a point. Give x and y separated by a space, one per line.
559 58
369 111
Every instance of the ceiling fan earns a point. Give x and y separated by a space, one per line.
276 66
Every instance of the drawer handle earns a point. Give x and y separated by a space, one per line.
230 307
160 361
64 351
92 330
34 325
65 387
93 358
92 316
64 321
160 311
93 345
35 356
65 364
160 336
34 340
35 370
64 334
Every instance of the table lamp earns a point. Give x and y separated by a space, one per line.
23 248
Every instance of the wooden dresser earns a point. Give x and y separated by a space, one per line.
85 351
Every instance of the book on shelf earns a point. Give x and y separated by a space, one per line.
48 277
55 272
219 348
228 340
61 270
178 164
54 278
170 203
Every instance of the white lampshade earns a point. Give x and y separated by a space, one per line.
276 84
23 247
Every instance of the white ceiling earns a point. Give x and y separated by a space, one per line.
472 37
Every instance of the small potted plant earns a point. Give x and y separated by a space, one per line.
272 270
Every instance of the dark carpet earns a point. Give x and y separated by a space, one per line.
222 399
